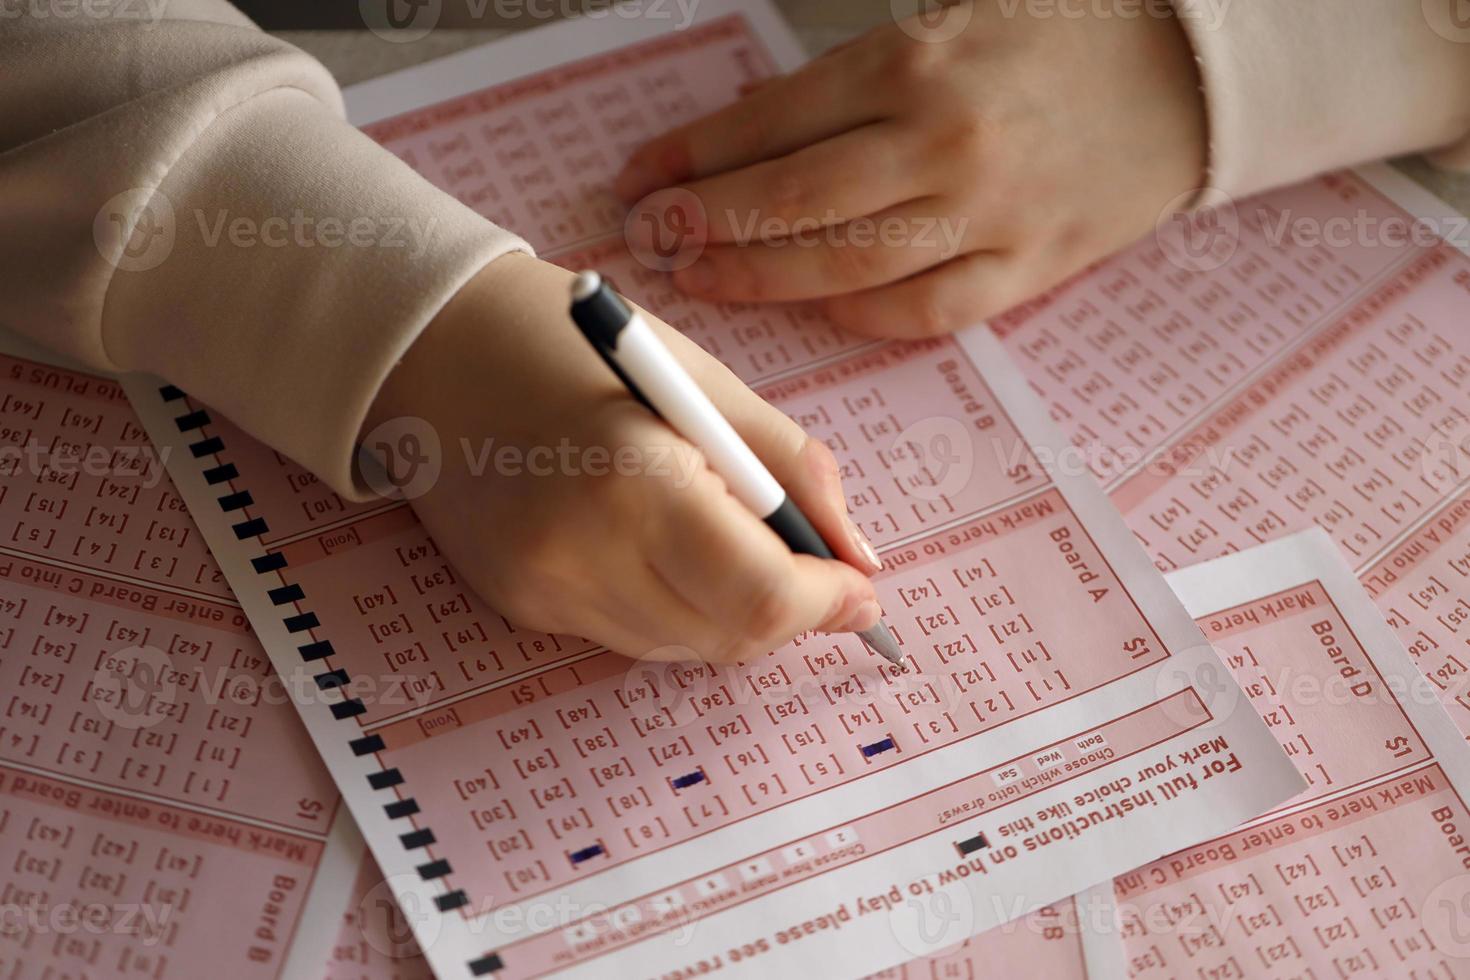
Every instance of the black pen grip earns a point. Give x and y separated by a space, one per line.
792 526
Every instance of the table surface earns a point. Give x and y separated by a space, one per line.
354 56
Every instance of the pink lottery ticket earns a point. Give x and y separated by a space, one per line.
538 804
375 940
1301 361
1057 942
162 814
1367 871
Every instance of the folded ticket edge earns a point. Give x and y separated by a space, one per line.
1288 562
1297 560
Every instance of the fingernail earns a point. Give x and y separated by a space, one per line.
697 279
870 554
637 181
865 618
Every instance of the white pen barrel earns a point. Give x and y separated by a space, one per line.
688 410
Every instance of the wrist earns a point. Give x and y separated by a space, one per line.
493 302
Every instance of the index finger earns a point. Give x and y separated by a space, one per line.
729 566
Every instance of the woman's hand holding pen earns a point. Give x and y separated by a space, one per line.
1044 142
620 534
934 172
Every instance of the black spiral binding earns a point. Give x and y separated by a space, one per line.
192 424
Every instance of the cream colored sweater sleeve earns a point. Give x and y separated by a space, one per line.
1296 87
182 195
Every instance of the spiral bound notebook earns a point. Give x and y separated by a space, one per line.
538 804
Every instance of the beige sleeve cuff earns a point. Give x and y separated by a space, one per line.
1297 87
305 260
184 197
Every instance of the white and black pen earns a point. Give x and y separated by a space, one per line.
654 376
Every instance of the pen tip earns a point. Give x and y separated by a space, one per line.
881 641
